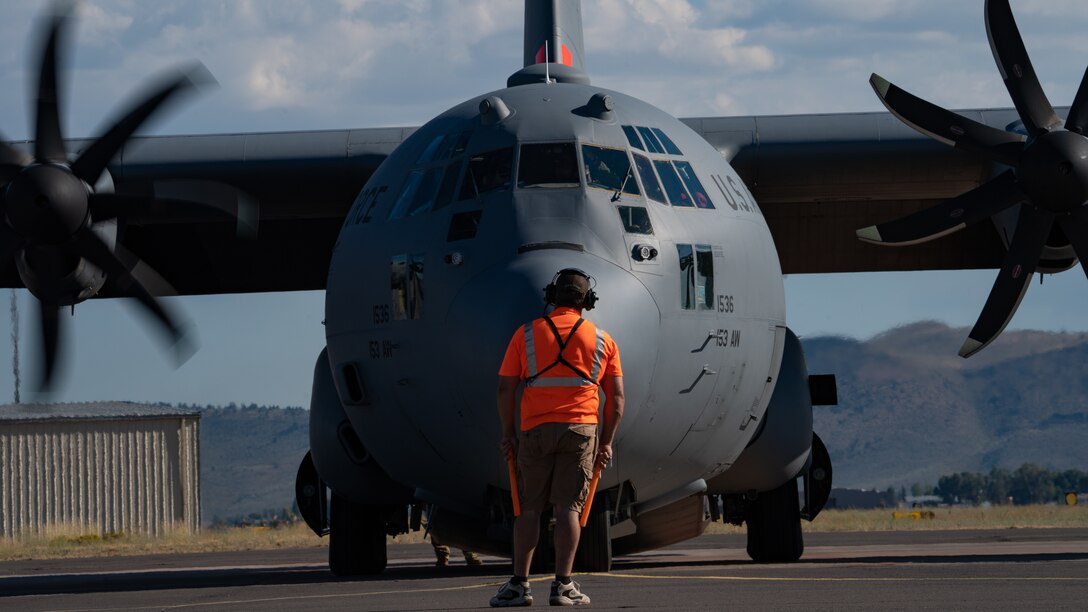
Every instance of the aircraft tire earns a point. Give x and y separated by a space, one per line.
774 526
356 538
595 545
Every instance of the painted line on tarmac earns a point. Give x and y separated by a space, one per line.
269 600
840 579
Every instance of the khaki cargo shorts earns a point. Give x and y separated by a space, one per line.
555 465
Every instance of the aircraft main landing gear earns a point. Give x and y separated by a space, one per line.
356 538
595 546
774 526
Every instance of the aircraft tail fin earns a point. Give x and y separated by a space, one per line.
554 46
553 33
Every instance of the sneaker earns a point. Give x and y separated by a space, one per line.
472 558
511 595
567 595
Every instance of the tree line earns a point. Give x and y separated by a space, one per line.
1027 484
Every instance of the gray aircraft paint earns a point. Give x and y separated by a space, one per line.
686 397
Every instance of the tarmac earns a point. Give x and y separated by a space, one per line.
1016 569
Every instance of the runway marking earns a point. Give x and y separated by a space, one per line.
228 602
841 579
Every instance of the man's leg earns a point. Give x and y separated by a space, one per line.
567 532
526 534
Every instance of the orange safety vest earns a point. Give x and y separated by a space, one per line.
562 374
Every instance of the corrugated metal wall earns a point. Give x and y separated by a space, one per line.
130 476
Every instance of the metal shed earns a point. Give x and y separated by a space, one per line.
105 468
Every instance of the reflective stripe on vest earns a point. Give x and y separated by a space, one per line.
577 381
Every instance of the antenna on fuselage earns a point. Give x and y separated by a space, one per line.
547 76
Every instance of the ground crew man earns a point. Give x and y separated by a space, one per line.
563 360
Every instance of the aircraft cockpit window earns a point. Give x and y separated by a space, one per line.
649 179
635 220
632 137
687 173
406 285
666 142
489 171
552 165
678 195
407 194
696 276
455 144
652 144
428 154
449 181
609 169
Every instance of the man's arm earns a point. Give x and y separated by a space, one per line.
613 412
506 398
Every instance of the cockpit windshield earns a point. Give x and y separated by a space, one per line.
552 165
609 169
488 171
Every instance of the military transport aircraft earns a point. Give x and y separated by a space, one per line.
433 244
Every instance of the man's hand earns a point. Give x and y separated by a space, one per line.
604 456
509 447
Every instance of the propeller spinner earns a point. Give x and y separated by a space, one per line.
1047 175
56 225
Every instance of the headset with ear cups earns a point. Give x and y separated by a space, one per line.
551 292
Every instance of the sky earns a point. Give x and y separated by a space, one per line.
310 65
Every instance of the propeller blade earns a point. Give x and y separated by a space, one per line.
93 160
48 136
49 313
1032 229
1075 227
125 273
948 127
1078 113
949 216
1016 69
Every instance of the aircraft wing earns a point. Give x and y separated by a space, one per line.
301 183
818 178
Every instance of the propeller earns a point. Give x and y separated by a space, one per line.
55 223
1047 175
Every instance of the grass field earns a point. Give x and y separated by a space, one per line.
61 543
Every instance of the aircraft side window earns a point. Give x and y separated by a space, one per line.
696 276
407 194
609 169
652 144
649 179
635 220
704 277
670 146
687 276
463 226
406 285
678 194
698 194
553 164
486 172
632 137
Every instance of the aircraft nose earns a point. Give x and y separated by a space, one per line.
488 310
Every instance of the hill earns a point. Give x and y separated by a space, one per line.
911 410
248 459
